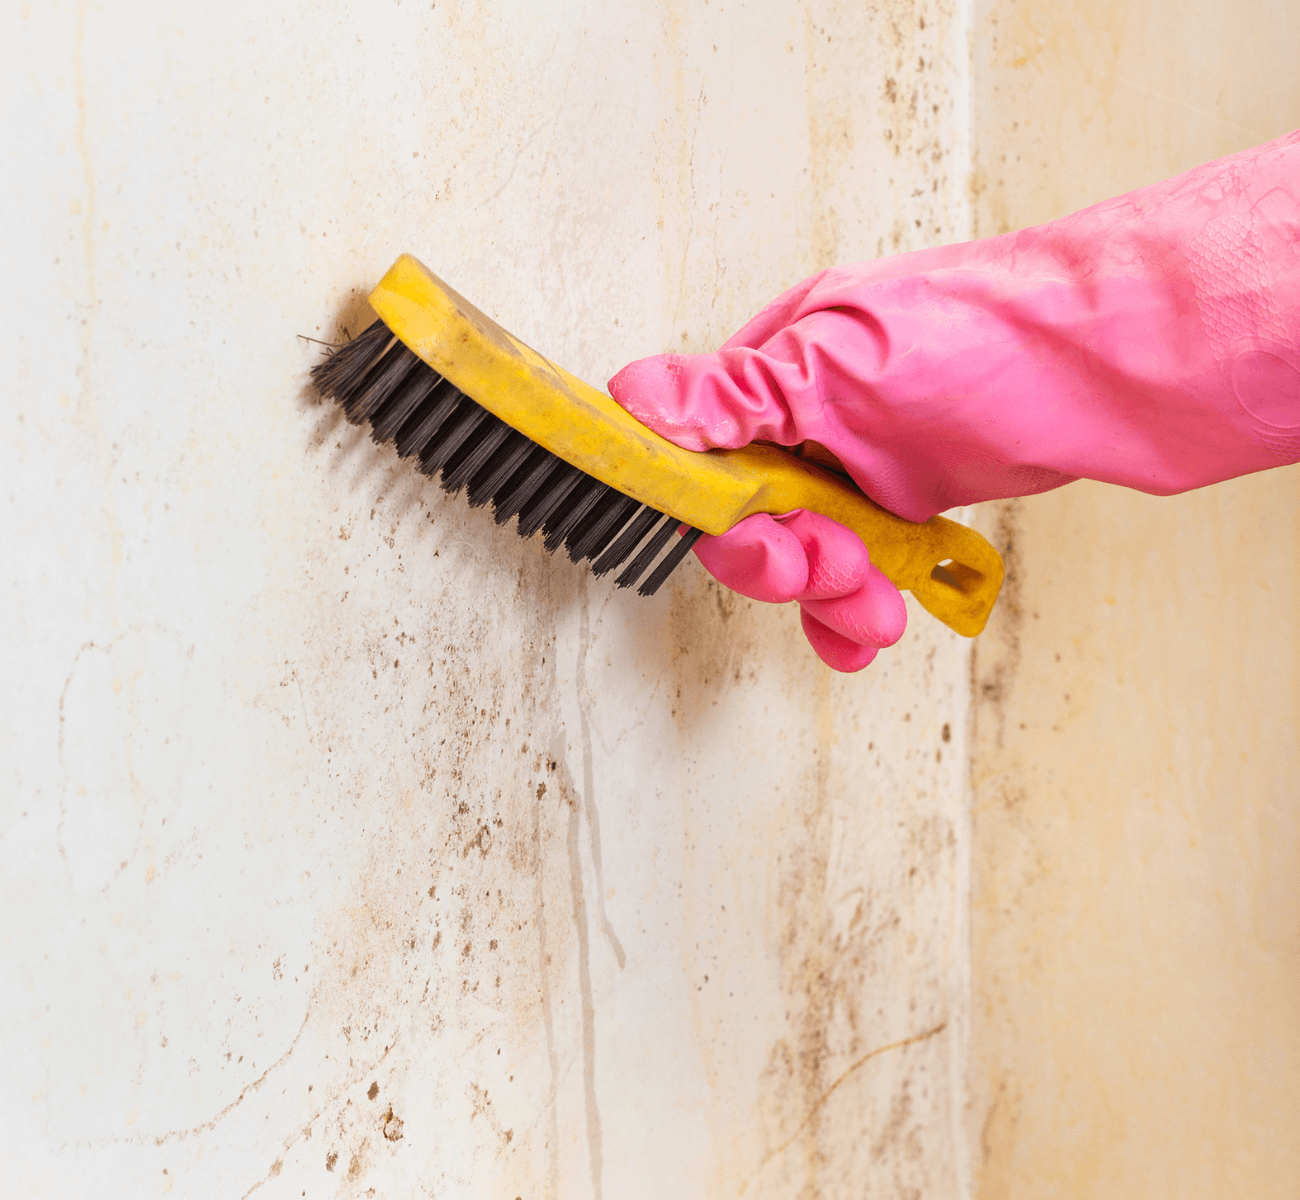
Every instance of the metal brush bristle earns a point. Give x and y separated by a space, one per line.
377 379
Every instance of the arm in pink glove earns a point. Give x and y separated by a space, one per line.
1151 341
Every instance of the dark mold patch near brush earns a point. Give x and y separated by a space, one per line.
377 378
996 657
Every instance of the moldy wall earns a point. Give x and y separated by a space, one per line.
352 846
1135 915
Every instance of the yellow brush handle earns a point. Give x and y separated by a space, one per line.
951 569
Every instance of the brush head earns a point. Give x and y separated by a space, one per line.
376 378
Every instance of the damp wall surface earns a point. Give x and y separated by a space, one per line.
350 845
1135 760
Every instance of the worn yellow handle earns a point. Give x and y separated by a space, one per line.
951 569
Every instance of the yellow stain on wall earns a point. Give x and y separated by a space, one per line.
1135 905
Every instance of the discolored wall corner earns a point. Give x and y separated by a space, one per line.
1134 757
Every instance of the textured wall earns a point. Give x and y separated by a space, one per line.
1135 910
349 845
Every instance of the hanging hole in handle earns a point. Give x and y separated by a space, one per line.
957 576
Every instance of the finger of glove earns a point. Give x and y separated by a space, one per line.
874 615
802 555
838 562
834 649
710 401
759 558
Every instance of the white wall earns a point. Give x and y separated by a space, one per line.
350 845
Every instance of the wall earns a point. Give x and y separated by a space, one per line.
1135 916
351 846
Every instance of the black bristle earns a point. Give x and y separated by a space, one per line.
460 426
397 407
649 552
422 425
571 527
565 517
382 384
669 562
468 426
498 469
598 528
375 377
531 474
627 540
474 454
580 524
340 375
551 502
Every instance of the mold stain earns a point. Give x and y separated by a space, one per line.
829 965
806 953
995 659
453 934
894 1126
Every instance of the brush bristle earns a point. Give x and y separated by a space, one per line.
376 378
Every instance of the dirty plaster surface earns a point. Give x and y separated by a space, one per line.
1136 836
348 844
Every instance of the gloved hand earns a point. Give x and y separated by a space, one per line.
1151 341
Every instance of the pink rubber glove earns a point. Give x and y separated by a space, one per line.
1151 341
849 608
